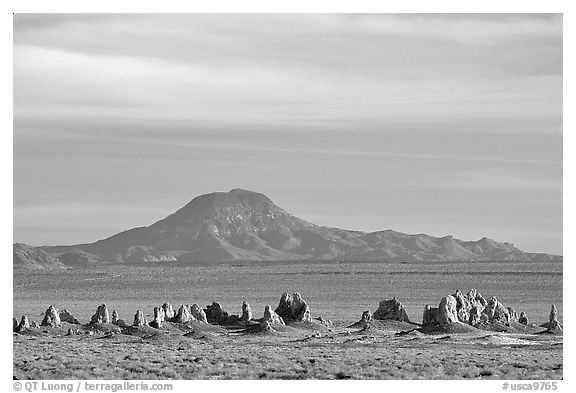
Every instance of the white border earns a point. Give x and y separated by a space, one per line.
248 6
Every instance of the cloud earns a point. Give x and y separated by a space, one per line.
58 83
424 111
499 180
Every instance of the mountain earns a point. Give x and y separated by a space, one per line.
246 225
28 257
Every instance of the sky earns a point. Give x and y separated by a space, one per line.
439 124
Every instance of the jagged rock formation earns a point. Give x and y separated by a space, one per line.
366 316
65 316
447 312
115 317
495 311
183 315
292 308
553 326
476 299
512 313
430 316
168 311
51 317
472 309
23 325
553 314
198 313
101 315
138 319
463 307
215 314
158 318
365 319
475 316
391 309
246 312
271 317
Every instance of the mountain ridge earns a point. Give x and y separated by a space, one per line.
247 225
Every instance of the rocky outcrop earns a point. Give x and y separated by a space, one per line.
14 324
391 309
23 325
51 317
158 318
463 307
475 316
292 308
215 314
198 313
476 299
183 315
553 326
271 317
512 313
115 318
366 316
430 316
65 316
101 315
246 312
447 312
495 311
523 319
138 319
168 312
553 314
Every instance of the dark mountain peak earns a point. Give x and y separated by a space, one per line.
234 198
243 191
247 225
223 208
252 199
487 242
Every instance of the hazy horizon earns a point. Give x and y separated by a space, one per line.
438 124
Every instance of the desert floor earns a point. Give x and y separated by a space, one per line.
201 351
339 292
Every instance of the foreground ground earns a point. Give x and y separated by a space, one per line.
197 352
340 292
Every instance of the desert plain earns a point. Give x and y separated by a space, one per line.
339 292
